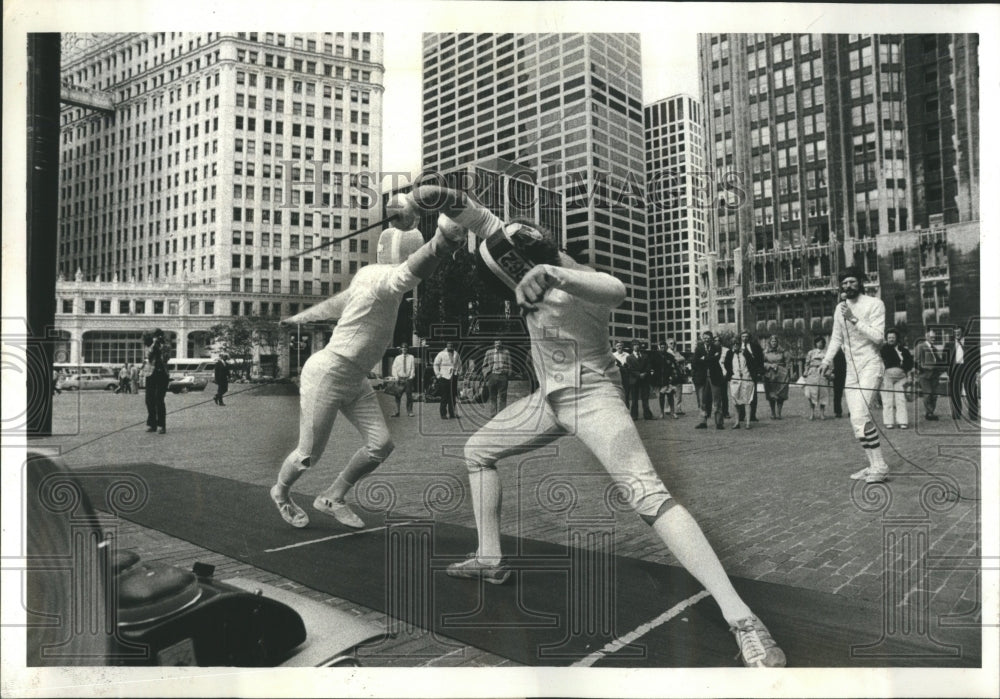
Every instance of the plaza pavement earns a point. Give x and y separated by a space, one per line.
775 501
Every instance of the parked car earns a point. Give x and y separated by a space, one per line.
183 384
89 382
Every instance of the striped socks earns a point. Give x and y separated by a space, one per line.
870 438
873 448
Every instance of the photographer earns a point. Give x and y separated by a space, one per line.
157 380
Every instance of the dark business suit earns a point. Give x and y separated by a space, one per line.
221 380
639 368
930 363
156 387
754 356
707 360
699 371
839 381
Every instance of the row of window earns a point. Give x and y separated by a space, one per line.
273 286
141 306
264 308
299 65
247 262
299 42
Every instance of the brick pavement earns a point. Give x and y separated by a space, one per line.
775 501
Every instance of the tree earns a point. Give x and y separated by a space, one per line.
267 333
243 334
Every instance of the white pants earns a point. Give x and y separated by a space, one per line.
894 410
864 377
332 384
596 413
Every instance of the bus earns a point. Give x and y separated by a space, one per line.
202 367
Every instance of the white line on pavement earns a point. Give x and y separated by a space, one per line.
431 662
619 643
336 536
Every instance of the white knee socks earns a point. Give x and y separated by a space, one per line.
360 465
484 486
682 535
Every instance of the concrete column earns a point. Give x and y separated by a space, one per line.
180 351
75 344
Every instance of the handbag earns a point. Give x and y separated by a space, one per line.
395 388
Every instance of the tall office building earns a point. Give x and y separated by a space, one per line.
219 158
676 216
942 108
566 106
821 128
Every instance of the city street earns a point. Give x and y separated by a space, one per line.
775 501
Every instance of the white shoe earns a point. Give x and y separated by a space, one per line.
757 647
876 476
340 511
857 476
290 512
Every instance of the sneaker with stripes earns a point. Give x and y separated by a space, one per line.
757 648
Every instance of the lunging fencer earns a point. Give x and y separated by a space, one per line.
858 329
567 309
335 379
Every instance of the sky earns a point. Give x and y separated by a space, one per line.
669 67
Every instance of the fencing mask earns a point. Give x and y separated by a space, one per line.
507 252
394 245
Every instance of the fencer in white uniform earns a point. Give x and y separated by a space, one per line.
859 329
567 310
335 379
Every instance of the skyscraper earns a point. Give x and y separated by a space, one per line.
676 216
566 106
223 157
942 108
191 174
821 128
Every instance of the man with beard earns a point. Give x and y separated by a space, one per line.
859 328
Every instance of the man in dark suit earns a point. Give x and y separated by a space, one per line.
706 359
221 378
639 369
963 366
839 381
699 369
930 362
754 356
